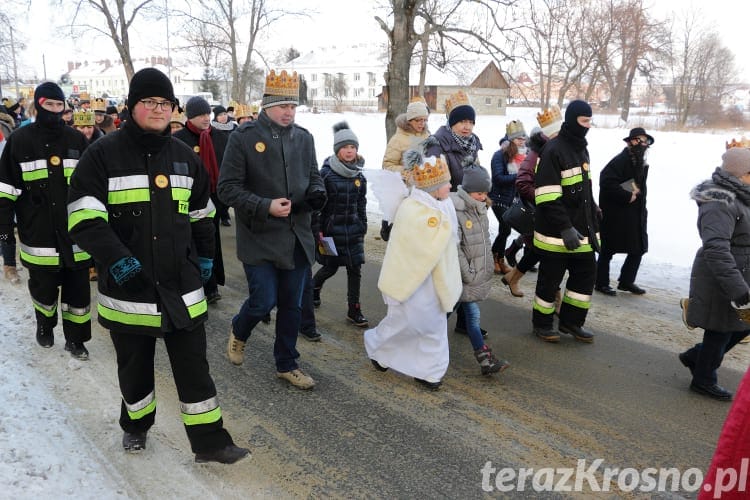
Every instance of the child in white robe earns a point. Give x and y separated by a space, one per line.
420 278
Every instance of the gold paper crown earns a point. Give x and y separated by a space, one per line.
84 96
178 117
83 118
455 100
99 104
242 111
418 98
282 84
433 172
550 116
253 108
742 143
233 104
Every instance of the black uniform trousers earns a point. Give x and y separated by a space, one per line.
628 271
187 356
581 270
74 290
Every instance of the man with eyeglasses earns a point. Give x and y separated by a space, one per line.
622 198
35 168
139 204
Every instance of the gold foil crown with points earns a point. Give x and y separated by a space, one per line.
549 116
178 117
242 111
282 84
455 100
83 118
431 174
99 104
742 143
84 97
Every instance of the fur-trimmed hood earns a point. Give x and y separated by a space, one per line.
722 187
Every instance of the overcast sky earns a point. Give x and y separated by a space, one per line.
330 25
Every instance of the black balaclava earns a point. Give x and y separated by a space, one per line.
575 109
45 118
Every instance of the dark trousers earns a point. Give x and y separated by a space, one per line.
217 272
73 288
503 230
195 387
270 287
307 323
9 251
628 271
578 288
353 280
529 258
707 356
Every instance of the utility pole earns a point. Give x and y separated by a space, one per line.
44 66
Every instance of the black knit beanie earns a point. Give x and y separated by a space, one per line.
149 82
219 110
197 106
461 113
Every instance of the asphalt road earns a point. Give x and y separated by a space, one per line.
365 434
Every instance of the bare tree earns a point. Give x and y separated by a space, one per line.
627 42
237 25
118 16
702 69
401 42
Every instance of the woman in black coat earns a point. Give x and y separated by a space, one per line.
344 218
622 199
721 271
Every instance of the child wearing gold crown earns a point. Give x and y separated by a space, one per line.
420 277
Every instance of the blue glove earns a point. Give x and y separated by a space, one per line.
207 266
125 269
128 273
571 238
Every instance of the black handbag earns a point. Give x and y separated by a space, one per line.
520 216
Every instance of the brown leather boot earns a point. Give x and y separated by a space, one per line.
11 274
500 266
511 279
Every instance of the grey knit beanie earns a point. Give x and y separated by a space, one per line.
736 161
197 106
476 179
342 136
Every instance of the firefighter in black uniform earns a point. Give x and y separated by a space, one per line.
566 229
139 203
35 169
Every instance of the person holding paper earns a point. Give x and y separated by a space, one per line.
343 220
622 198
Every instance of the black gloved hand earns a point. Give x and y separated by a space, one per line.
741 301
316 199
571 238
385 230
536 141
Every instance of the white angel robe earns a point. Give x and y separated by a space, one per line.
421 281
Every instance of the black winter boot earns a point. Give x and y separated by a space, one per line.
227 455
355 316
44 335
488 362
134 442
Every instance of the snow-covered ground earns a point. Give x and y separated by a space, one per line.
44 451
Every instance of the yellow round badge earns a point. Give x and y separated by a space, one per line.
432 222
55 161
357 182
197 149
469 224
585 167
161 181
260 147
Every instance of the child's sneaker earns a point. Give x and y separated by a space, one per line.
488 362
355 316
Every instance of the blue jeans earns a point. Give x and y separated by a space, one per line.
472 314
270 287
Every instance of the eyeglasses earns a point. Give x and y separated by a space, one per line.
151 105
643 140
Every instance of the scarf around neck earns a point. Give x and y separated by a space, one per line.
468 144
348 170
206 153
